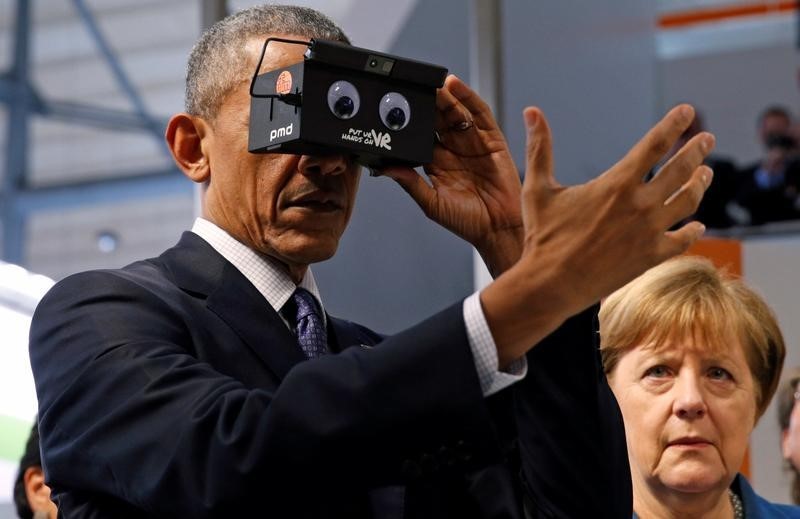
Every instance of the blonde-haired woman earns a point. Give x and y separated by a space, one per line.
693 357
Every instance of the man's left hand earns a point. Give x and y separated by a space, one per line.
474 188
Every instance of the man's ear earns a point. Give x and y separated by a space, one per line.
36 491
185 134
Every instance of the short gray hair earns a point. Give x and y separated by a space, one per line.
218 62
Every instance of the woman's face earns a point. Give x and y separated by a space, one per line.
791 438
688 414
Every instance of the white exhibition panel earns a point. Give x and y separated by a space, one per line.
20 290
771 264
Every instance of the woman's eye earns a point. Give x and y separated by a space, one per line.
657 372
719 374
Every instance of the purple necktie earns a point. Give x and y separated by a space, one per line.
308 325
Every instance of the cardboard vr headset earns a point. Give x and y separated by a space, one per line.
375 107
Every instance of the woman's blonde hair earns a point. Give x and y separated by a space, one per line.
689 297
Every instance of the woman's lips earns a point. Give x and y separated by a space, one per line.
689 442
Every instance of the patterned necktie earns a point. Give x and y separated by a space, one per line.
308 325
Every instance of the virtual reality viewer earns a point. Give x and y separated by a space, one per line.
375 107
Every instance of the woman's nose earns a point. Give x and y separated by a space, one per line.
689 401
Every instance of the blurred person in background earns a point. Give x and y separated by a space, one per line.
789 421
774 120
768 189
693 357
31 494
769 192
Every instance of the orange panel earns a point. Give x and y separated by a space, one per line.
724 253
716 14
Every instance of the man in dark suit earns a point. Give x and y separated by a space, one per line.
767 189
209 382
770 190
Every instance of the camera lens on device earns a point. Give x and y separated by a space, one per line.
395 111
343 99
373 63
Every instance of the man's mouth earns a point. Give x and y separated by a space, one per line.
318 201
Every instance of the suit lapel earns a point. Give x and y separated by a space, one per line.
340 336
237 302
345 334
199 268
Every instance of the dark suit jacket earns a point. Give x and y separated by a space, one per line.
712 210
769 205
171 388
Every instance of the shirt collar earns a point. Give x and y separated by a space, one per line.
264 272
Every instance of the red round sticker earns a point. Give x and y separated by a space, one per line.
284 83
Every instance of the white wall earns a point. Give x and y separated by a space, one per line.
20 291
591 66
770 265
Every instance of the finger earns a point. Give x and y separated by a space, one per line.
413 184
450 112
686 199
678 241
478 109
538 150
682 165
657 142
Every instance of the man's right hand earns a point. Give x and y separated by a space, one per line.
583 242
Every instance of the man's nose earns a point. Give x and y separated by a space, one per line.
323 164
689 401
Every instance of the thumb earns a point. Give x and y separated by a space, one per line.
538 150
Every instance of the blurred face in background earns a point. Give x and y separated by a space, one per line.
38 494
774 124
790 436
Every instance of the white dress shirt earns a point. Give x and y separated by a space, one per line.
274 283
